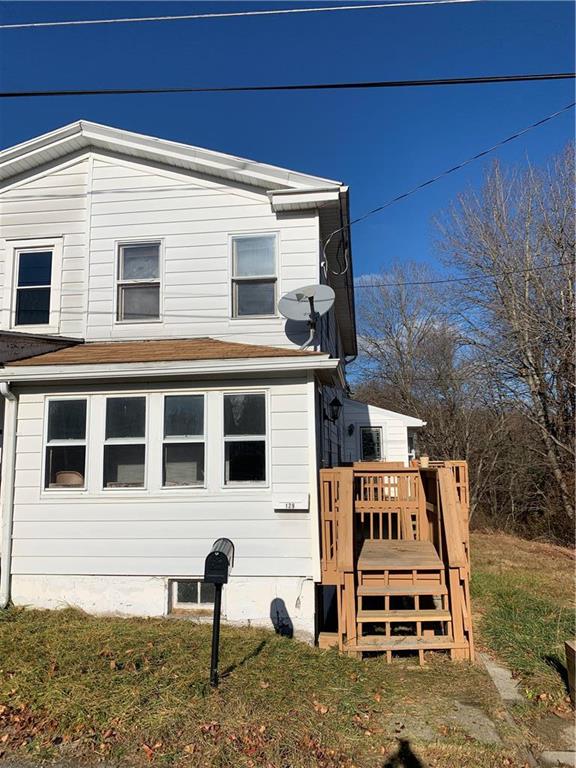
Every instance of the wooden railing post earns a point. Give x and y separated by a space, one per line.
345 520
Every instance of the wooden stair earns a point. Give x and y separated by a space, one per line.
401 600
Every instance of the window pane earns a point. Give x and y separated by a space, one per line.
246 462
184 415
371 444
67 420
255 298
35 268
207 592
254 256
244 414
124 466
65 466
139 302
125 417
32 306
183 464
187 591
139 262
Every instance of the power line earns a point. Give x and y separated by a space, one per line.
487 276
481 80
454 168
200 16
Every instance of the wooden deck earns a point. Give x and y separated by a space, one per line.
398 556
395 546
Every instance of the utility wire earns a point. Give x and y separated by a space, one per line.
481 80
441 175
200 16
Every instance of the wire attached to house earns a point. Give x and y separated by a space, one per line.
480 80
228 15
441 175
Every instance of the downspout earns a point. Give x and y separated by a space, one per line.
7 490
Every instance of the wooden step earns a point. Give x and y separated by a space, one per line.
380 555
383 643
399 590
328 640
365 616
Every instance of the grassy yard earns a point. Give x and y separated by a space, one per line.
135 691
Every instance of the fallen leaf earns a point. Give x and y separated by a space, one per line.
264 684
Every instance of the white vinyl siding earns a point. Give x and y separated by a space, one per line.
137 531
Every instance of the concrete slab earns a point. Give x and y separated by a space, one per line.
550 758
502 679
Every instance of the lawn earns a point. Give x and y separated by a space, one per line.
135 691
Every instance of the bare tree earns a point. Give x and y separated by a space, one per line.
515 243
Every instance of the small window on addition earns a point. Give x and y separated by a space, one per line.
192 595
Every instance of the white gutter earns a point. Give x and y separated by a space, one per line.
7 489
171 369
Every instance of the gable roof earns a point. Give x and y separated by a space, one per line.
84 135
163 350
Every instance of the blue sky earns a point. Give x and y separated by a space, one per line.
380 142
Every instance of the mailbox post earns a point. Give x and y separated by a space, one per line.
216 569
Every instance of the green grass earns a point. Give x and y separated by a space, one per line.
135 690
523 595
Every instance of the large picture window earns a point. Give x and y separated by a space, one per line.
139 282
33 287
66 445
254 275
125 442
183 447
244 438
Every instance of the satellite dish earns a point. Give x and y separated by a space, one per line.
307 305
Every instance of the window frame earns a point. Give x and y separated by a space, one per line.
197 608
126 441
378 428
234 280
246 484
119 282
32 245
178 440
56 443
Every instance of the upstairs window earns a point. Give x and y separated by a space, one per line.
139 282
33 287
244 438
254 275
125 442
66 445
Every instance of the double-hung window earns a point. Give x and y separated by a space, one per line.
254 275
33 287
66 444
138 282
244 438
183 448
125 442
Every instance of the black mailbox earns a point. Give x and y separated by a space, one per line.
218 562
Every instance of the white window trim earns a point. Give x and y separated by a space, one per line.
177 440
265 438
127 441
382 451
14 248
55 443
148 281
233 279
191 607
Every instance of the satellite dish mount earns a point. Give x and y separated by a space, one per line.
307 305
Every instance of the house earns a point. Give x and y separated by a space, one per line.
155 399
377 434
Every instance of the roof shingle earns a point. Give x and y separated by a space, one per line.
156 351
